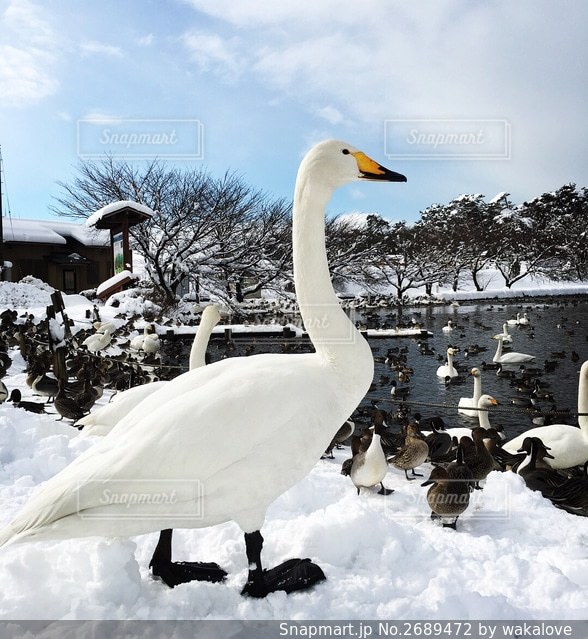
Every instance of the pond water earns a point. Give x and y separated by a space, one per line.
557 329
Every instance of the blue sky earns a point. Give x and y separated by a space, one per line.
266 79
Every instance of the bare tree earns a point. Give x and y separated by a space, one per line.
222 235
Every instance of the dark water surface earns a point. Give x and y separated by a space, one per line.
556 327
556 330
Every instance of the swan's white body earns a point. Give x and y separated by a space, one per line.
466 404
567 444
510 358
448 327
102 420
148 342
447 370
524 320
271 406
514 322
506 336
100 340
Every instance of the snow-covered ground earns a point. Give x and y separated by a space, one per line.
514 555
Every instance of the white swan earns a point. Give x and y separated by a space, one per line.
102 420
506 336
514 322
485 402
99 340
270 406
147 342
466 404
448 327
509 358
568 444
447 370
524 320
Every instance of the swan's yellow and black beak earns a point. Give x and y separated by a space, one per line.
371 170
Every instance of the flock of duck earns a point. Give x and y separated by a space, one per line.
272 405
551 458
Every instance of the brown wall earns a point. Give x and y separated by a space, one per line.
34 259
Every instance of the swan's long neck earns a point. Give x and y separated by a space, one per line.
449 360
583 399
200 343
498 353
483 418
477 388
333 335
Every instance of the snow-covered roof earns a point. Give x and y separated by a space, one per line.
52 232
114 280
115 207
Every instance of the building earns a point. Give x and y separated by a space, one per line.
70 256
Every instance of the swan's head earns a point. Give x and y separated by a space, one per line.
475 372
451 351
211 314
486 401
338 163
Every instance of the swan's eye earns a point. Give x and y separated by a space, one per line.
345 151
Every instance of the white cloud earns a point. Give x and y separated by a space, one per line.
213 53
146 41
102 117
29 55
93 47
523 62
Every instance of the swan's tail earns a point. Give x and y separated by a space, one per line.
7 535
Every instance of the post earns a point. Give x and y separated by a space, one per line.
1 224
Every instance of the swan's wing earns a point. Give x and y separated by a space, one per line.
217 448
101 420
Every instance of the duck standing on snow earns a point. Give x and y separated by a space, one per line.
414 452
449 494
267 404
369 468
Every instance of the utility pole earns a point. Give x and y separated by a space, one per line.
1 224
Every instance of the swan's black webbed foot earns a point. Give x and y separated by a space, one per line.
385 491
174 573
290 576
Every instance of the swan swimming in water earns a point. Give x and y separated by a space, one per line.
567 444
267 404
466 404
506 336
447 370
509 358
